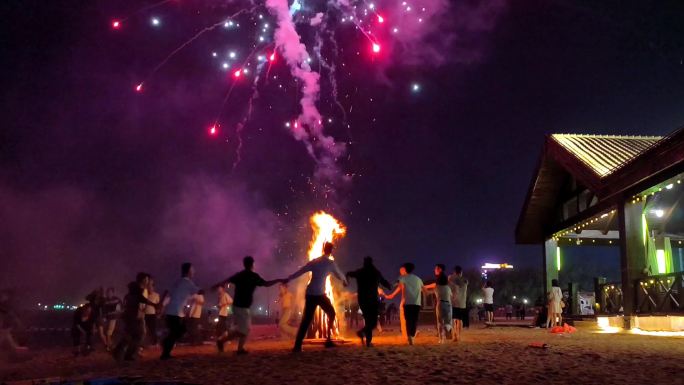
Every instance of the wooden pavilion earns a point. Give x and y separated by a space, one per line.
621 191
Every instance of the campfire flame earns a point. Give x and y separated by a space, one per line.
325 229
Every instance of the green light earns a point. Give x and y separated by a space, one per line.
644 228
660 259
558 258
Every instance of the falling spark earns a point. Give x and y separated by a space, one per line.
381 19
139 87
376 47
116 24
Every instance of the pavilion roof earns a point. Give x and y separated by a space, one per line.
605 153
609 166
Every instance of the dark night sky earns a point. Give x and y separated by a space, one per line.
97 182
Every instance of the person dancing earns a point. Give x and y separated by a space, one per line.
245 283
174 314
368 279
411 289
315 297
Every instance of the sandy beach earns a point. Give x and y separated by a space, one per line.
485 356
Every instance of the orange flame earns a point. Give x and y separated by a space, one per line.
325 229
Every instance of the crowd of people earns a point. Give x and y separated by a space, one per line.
182 307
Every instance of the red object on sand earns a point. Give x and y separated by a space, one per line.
563 329
538 345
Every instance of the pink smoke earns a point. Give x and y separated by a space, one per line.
434 32
309 129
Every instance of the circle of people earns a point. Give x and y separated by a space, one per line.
141 303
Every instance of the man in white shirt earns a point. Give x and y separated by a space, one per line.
224 302
488 291
319 268
195 317
181 292
411 288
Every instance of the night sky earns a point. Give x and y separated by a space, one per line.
98 181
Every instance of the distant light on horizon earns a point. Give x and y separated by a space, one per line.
488 265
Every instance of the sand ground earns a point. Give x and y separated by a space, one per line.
485 356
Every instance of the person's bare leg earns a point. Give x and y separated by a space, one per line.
458 327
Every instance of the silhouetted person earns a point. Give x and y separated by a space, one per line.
354 314
195 318
82 326
509 311
151 313
223 305
411 289
368 279
315 297
96 299
245 283
488 291
133 318
174 314
111 311
459 304
443 303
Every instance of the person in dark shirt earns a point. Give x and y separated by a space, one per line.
368 278
245 283
133 318
82 325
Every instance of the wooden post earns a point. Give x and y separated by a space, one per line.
632 253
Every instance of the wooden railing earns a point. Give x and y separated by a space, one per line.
660 294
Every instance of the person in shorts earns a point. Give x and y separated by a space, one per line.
245 283
459 297
488 291
224 302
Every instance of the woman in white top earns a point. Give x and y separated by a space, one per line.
489 301
554 305
151 313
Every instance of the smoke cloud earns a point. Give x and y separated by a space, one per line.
215 224
308 128
434 32
62 242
